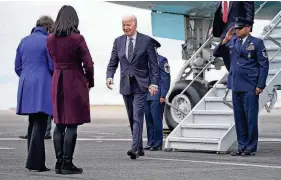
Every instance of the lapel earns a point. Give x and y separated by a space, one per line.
138 42
236 45
246 44
229 8
123 47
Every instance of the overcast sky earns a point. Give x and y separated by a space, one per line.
100 24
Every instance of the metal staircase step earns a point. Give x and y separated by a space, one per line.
275 63
194 143
213 116
204 130
216 103
276 30
271 73
220 90
271 50
268 42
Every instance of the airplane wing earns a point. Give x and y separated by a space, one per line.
198 8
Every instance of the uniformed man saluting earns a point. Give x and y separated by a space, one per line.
154 107
247 78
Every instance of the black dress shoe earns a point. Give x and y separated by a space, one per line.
147 147
133 154
248 153
48 137
70 168
237 153
158 148
141 153
23 137
40 170
58 167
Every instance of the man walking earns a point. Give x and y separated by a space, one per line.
139 74
154 107
247 79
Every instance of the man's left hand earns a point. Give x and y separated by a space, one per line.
162 100
153 90
258 91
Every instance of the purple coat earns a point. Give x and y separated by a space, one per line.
73 76
34 67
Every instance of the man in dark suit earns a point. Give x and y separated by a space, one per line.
224 20
139 74
247 79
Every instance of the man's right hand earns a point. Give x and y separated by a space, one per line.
109 81
228 36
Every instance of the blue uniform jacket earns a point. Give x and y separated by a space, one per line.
34 67
165 79
248 66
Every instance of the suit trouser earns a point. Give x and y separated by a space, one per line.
246 108
35 141
64 139
135 103
154 123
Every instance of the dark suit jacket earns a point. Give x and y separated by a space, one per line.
144 65
244 9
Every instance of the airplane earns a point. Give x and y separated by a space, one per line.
190 21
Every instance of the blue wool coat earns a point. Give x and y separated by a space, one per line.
34 67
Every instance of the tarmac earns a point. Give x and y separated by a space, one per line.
102 145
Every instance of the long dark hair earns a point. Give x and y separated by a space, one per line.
67 22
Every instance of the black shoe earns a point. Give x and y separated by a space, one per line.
248 153
58 167
69 168
158 148
141 153
147 147
23 137
237 153
48 137
40 170
133 154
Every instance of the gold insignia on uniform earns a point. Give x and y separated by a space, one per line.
167 67
264 53
251 47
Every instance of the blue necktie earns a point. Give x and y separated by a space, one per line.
130 50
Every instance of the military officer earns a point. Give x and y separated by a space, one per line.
154 107
247 79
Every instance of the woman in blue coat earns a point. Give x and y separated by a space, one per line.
34 67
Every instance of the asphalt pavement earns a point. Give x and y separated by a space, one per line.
102 146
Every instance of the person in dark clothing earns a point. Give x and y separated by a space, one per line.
34 67
72 79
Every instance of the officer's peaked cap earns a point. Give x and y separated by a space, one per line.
242 22
155 43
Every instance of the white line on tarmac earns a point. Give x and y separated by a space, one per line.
217 163
127 139
5 148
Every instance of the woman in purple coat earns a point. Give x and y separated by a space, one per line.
34 67
72 79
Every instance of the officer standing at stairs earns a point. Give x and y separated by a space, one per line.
247 78
154 106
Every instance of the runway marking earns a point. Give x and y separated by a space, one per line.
127 139
217 163
6 148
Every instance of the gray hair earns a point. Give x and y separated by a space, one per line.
133 17
45 22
